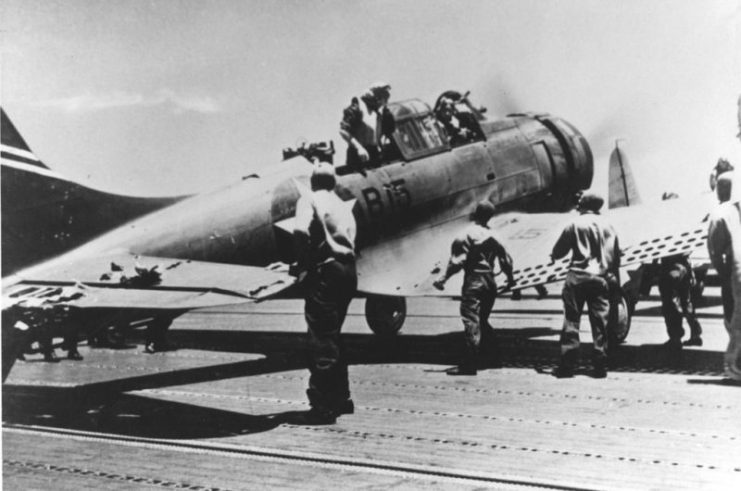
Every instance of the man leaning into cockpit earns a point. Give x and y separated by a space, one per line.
366 126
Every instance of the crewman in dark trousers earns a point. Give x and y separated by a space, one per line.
475 252
595 261
325 249
155 339
675 283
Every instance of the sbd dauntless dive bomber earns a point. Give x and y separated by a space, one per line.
75 255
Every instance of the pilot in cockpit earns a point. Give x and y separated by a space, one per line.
456 116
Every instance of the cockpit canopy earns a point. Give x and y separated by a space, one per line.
421 131
418 133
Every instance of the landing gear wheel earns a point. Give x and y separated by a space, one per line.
385 314
115 336
621 313
111 336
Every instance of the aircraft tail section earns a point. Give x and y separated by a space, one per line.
14 147
622 186
45 214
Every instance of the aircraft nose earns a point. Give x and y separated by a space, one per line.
577 151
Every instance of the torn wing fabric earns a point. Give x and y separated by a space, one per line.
142 282
409 264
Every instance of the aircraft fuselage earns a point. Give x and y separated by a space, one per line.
528 162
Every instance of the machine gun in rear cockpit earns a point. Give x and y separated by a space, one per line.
313 152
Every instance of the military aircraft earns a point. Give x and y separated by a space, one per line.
71 254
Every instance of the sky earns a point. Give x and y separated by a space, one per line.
165 97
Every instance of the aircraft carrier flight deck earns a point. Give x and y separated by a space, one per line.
216 412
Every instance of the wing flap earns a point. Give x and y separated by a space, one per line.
143 282
43 296
407 265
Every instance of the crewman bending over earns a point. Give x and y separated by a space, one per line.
367 127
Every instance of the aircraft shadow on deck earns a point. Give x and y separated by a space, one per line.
655 311
106 406
131 415
528 347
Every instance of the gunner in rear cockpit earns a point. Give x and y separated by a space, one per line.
446 113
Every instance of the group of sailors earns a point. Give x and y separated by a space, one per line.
42 335
325 232
592 244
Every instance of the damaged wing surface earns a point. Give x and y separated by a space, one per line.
142 282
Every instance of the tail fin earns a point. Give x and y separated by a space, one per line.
45 214
12 145
622 186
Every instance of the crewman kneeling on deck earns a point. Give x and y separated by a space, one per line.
595 256
475 251
325 249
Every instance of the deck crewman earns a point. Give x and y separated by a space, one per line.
367 126
475 252
325 248
595 261
676 279
724 248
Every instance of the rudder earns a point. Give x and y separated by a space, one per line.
622 186
45 214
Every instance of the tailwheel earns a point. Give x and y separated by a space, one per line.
385 314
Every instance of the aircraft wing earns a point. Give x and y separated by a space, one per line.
408 265
403 266
141 282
